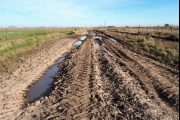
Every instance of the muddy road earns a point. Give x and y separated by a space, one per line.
107 79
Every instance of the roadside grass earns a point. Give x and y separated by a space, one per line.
10 49
170 54
19 34
166 51
174 36
68 32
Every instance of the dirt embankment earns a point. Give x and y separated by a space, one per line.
109 81
14 83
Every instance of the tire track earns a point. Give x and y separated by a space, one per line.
162 87
108 82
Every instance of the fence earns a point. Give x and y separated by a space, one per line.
13 33
156 32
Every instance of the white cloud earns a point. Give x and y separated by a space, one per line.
67 12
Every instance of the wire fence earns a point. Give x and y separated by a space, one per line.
14 33
171 33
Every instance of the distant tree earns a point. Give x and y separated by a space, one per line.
166 25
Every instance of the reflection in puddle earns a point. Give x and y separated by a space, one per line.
83 38
94 34
114 40
45 82
96 37
97 44
78 43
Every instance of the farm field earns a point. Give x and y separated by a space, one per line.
163 44
17 43
105 73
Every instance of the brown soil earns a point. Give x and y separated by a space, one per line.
14 83
111 81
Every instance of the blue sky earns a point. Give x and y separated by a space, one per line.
89 13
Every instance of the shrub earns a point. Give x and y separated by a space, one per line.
175 46
173 37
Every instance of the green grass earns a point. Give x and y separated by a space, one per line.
10 49
170 54
5 66
25 32
68 32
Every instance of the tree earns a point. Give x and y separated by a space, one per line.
166 25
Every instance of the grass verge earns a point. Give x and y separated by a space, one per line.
11 49
150 45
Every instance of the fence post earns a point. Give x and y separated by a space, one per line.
6 33
147 31
171 30
139 30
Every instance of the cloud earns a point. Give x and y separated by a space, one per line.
72 12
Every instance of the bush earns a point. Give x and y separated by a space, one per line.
173 37
175 46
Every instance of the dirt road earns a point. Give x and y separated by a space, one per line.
15 83
109 80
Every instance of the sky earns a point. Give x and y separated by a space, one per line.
88 13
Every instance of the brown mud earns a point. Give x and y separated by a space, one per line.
109 81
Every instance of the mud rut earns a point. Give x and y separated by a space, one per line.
109 82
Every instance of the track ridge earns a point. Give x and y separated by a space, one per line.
111 82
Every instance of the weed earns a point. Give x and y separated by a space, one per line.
24 58
5 66
173 37
148 36
175 46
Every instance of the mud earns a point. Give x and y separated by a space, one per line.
44 84
109 81
16 82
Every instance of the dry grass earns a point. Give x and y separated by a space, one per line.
167 50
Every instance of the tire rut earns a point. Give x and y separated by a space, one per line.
160 89
108 82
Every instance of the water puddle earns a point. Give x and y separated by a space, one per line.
45 82
114 40
96 37
83 38
94 34
78 43
97 44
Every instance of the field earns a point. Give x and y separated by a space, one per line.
115 74
16 43
161 41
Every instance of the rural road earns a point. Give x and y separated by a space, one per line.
107 79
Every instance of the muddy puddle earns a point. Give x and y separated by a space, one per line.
83 38
113 40
45 83
96 37
78 43
97 44
94 34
